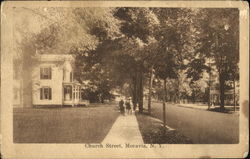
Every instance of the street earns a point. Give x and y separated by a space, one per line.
203 127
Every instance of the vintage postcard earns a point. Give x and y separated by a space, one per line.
124 79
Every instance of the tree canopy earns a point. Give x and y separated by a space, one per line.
128 45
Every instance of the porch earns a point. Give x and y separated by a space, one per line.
72 94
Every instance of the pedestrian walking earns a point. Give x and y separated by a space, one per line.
121 105
128 107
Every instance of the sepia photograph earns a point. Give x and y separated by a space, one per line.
124 77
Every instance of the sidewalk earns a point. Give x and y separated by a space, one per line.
205 107
124 130
196 106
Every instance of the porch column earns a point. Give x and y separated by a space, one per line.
79 93
75 91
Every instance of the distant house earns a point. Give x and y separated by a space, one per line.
228 96
53 82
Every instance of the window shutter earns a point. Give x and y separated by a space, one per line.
41 93
50 94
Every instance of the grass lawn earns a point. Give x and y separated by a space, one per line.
152 131
63 125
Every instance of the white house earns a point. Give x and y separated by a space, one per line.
53 83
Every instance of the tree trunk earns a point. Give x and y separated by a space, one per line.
178 91
166 100
209 98
209 86
164 104
27 87
150 90
140 92
234 96
134 93
222 91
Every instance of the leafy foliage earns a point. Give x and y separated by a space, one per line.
122 46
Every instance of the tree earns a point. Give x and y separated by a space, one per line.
175 44
138 25
61 31
219 41
166 69
92 62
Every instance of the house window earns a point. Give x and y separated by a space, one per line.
45 93
67 93
45 73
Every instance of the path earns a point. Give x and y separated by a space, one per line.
124 130
205 107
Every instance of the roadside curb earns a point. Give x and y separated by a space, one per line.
168 127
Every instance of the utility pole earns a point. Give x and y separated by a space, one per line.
209 84
164 104
150 89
